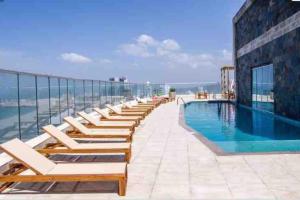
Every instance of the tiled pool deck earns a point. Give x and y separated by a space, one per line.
169 162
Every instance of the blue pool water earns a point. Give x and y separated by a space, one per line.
239 129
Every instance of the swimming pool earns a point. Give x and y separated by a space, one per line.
237 129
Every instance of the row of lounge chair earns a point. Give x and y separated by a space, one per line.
119 123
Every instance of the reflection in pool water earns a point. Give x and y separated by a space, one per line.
239 129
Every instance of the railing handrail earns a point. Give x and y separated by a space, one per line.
70 78
181 100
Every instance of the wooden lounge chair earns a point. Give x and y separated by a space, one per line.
96 123
146 102
129 108
135 104
106 117
69 145
83 132
116 111
41 169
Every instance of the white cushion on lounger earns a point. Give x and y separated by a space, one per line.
93 168
60 136
25 154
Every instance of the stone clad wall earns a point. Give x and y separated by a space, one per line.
261 16
283 53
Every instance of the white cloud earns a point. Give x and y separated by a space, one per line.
105 61
75 58
169 51
146 40
146 46
167 47
170 44
227 54
135 50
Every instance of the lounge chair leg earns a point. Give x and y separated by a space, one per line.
128 156
122 187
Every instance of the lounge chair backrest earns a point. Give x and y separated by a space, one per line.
27 156
102 113
134 102
144 101
113 109
128 105
76 124
123 103
89 118
60 136
141 100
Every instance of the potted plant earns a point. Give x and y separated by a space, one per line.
172 93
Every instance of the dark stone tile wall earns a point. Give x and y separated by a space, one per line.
261 16
283 53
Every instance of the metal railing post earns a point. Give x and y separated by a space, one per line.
59 103
83 82
36 105
68 96
49 96
19 108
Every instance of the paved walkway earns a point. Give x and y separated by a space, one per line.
171 163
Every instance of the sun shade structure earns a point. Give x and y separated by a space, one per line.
69 145
41 169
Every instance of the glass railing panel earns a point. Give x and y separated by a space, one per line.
103 97
112 89
43 102
54 101
79 96
115 93
28 107
96 94
88 95
121 91
134 90
109 92
63 89
28 101
126 93
71 96
9 118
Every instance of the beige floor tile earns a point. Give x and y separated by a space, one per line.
171 191
253 191
210 191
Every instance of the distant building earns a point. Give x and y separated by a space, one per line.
122 79
267 56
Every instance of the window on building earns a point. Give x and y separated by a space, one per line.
262 88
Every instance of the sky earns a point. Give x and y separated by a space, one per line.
173 41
